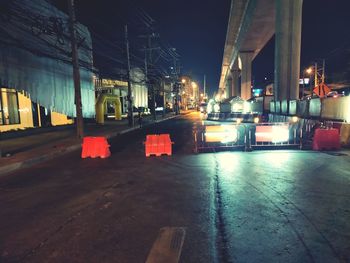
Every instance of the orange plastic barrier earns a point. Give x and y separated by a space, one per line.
326 139
337 125
158 145
95 147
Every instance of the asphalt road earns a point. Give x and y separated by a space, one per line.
261 206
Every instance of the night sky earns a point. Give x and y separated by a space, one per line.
325 34
197 29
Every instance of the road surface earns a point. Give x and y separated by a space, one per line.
261 206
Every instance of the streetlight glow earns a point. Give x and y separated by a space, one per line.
309 70
183 81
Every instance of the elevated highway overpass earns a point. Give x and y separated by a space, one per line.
252 23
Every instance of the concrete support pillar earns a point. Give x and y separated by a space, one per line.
235 88
287 50
246 74
228 88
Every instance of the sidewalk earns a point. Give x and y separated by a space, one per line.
32 149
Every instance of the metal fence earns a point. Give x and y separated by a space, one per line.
247 137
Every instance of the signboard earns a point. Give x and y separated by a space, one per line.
322 90
221 133
273 133
112 82
305 81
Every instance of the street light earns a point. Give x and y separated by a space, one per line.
309 71
183 81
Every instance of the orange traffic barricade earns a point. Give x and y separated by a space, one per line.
95 147
151 145
165 144
326 139
158 145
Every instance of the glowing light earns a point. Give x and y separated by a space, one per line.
216 107
240 63
25 110
247 107
183 81
275 134
209 108
280 134
237 107
222 133
238 121
194 84
256 120
309 70
295 119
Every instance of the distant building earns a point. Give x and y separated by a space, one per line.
36 76
166 93
120 88
189 93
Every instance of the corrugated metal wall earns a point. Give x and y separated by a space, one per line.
35 56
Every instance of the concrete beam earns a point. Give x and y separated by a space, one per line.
250 27
237 12
262 27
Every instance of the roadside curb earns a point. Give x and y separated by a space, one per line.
5 170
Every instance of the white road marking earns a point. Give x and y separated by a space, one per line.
168 245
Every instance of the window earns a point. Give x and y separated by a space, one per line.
9 113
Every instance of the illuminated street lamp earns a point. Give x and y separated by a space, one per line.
183 81
309 72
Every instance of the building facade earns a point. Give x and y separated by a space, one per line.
36 75
119 88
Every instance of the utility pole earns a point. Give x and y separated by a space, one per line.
316 75
323 70
204 84
153 106
130 106
76 72
148 68
176 83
